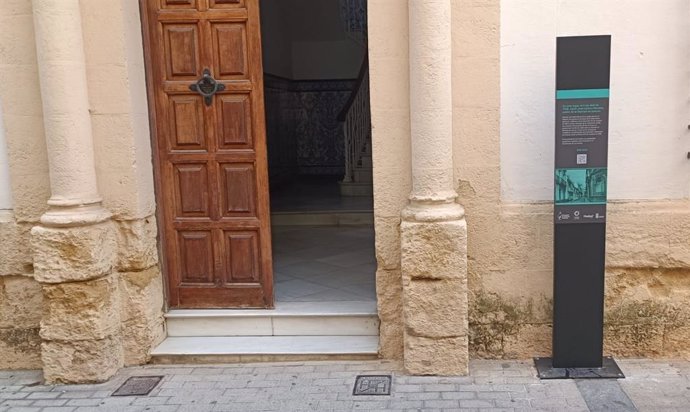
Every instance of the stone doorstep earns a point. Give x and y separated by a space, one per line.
243 349
288 319
292 331
268 345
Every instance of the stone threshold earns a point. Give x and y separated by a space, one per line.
287 319
269 345
284 309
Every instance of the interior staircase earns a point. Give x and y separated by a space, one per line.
361 182
293 331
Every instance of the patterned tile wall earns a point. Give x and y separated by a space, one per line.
303 132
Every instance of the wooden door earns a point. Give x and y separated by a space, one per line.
210 151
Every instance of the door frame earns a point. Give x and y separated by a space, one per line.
153 138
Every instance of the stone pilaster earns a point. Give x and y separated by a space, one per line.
75 248
433 230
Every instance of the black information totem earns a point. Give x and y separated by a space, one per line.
582 113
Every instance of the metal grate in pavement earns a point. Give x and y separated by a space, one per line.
372 385
137 386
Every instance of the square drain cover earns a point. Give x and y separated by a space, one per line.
137 386
372 385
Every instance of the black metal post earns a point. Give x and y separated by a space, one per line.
581 162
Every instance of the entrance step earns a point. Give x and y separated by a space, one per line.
326 218
288 319
264 348
292 331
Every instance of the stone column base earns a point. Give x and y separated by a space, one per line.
80 326
89 361
435 305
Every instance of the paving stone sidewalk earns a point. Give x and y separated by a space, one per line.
328 386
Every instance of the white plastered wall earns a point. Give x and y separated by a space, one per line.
119 113
647 253
22 111
650 94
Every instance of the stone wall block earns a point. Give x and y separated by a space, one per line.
15 254
657 240
634 341
137 244
434 250
79 311
497 342
81 361
143 326
387 242
21 307
676 342
21 302
20 348
73 254
389 301
430 356
436 308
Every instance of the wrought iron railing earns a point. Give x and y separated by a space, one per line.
356 120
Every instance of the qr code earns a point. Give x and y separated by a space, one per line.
582 159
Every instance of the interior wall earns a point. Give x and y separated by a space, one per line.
650 84
306 40
335 59
277 46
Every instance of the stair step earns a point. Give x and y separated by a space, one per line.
356 189
288 319
331 218
251 348
363 175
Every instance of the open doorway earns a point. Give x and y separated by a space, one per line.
318 132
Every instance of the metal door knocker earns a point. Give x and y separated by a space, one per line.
207 86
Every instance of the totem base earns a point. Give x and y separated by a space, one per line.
608 370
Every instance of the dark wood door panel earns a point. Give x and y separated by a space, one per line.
192 190
238 190
243 256
210 154
196 258
230 50
187 127
179 4
234 128
182 50
225 4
